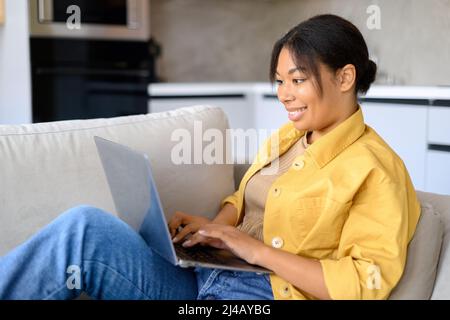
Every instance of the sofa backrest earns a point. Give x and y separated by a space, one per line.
441 203
47 168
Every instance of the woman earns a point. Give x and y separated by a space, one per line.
332 222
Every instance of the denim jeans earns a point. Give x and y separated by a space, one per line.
215 284
88 250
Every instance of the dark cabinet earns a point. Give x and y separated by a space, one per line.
81 79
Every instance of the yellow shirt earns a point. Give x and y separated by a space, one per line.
257 189
348 202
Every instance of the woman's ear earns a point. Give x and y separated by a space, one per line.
347 77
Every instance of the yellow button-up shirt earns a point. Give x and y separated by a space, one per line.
347 202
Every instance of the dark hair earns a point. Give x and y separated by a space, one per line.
331 40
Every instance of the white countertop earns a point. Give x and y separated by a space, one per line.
168 89
376 91
409 92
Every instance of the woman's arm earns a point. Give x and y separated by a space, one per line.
303 273
228 215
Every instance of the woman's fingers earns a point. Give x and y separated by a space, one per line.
197 238
178 219
174 223
194 240
184 232
189 223
215 243
214 231
203 240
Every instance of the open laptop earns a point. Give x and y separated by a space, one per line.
137 202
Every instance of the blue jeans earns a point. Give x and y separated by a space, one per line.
86 249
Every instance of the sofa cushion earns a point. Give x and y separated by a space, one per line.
49 167
419 275
441 203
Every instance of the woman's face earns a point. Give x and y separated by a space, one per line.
299 95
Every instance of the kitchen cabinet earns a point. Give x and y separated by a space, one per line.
404 128
15 82
235 100
438 153
439 125
438 171
270 113
236 107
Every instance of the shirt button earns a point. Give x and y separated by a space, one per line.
298 164
285 292
277 242
276 192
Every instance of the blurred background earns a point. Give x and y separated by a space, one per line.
82 59
222 40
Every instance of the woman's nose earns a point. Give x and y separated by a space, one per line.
285 94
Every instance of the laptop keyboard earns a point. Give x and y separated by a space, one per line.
199 254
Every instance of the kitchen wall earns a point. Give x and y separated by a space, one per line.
223 40
15 78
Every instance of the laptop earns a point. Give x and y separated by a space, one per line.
137 202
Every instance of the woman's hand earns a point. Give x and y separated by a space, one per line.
190 224
229 238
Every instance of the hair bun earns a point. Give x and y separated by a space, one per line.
368 77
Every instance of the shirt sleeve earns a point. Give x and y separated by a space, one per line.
373 245
233 199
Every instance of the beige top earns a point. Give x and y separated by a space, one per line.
258 187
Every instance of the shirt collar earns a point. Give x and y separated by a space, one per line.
327 147
322 151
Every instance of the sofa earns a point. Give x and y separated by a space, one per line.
47 168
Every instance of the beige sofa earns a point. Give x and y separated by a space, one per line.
47 168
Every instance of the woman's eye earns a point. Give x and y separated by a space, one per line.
297 81
278 81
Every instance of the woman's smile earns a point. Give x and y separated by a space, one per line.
296 114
